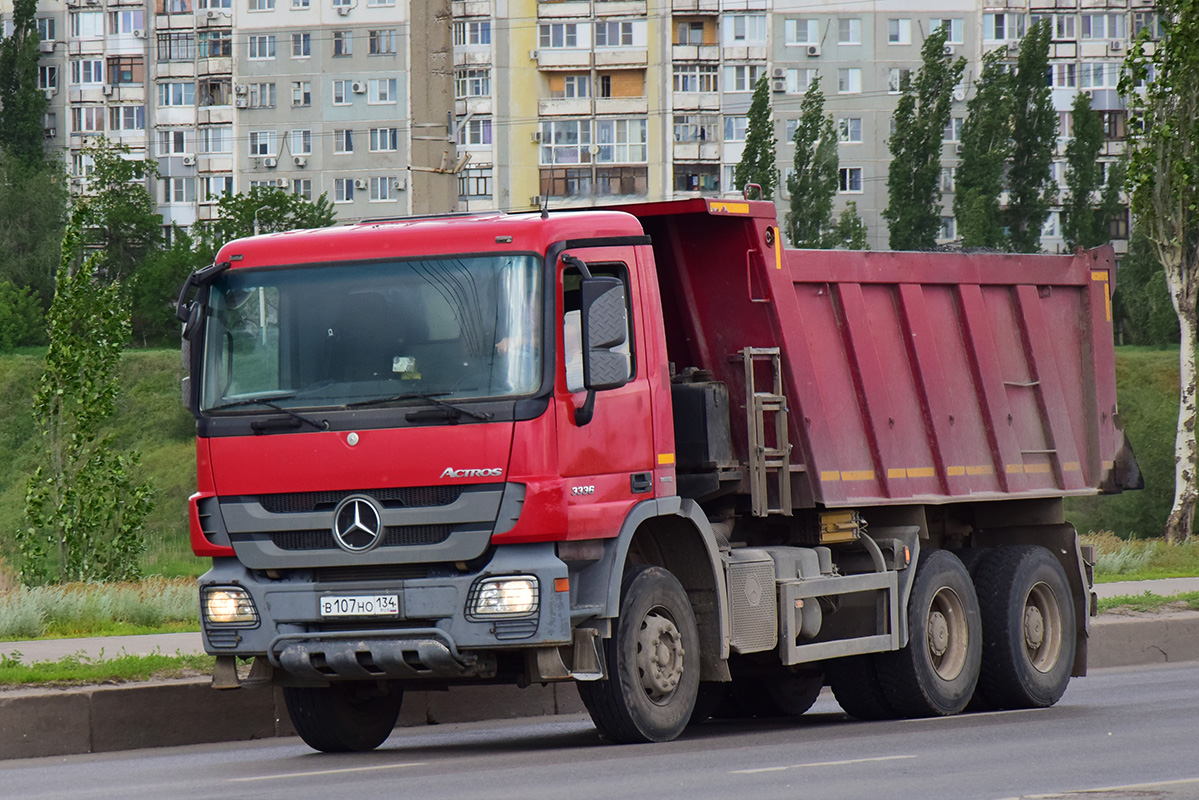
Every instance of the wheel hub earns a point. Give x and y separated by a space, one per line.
659 656
938 634
1034 627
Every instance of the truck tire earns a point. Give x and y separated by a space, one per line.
785 694
344 717
1028 627
936 673
856 686
794 693
652 662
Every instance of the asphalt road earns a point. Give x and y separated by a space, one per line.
1130 728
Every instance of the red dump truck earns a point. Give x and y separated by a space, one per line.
649 450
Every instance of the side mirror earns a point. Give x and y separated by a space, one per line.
605 319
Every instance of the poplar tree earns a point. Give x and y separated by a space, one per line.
1034 135
813 182
23 103
986 145
913 211
757 163
1079 227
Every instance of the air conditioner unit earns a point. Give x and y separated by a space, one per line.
139 34
301 161
959 93
535 137
534 55
947 50
212 14
240 88
958 149
107 89
779 85
50 132
359 183
281 183
189 160
1013 48
343 10
813 50
779 72
358 87
1115 47
242 102
399 184
46 45
270 163
50 92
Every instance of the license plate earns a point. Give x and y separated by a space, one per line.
375 605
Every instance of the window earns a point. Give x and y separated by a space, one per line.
621 141
472 33
801 31
262 143
789 128
1146 19
214 187
87 24
215 91
1113 125
695 78
343 141
896 78
849 31
899 31
176 46
849 179
46 29
301 45
953 131
126 70
948 178
382 90
176 93
301 142
262 5
1003 27
742 77
216 139
689 32
735 128
475 133
1064 76
475 182
745 29
473 83
1061 26
695 128
341 93
382 42
178 190
87 119
948 229
125 22
566 141
172 142
849 129
559 35
849 80
1099 75
343 43
262 47
1103 26
300 5
379 3
381 189
215 4
302 187
262 95
384 140
301 93
343 190
614 34
127 118
957 29
798 80
214 44
574 86
47 76
87 70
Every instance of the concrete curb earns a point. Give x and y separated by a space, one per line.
48 722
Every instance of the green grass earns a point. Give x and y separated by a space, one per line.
79 669
155 605
1140 559
1148 602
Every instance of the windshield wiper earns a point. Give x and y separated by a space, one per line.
432 397
319 424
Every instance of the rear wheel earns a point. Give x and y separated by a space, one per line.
935 674
343 717
652 663
1028 625
856 686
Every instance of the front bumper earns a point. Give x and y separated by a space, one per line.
431 638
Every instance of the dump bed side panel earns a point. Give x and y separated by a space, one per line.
911 377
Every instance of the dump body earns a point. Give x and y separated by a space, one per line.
911 377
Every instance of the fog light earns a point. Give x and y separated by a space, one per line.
503 597
229 605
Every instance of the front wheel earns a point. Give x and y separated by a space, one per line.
344 717
652 663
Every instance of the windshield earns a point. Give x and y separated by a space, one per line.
455 328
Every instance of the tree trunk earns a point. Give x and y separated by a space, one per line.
1186 453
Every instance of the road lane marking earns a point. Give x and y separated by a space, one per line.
819 764
324 772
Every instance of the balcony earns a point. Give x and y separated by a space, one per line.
695 6
214 66
214 115
564 107
470 8
472 105
621 105
480 57
620 8
557 58
556 10
745 53
697 151
621 57
695 101
695 52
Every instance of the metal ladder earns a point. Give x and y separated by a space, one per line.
769 467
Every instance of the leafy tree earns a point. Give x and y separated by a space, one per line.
83 508
986 144
154 288
23 102
22 321
33 203
913 212
850 232
1142 302
1162 87
757 163
117 215
1081 225
813 184
262 210
1034 135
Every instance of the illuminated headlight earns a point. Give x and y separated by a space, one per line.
513 596
229 605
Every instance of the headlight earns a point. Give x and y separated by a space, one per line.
514 596
229 605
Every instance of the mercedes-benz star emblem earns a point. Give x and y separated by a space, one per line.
357 526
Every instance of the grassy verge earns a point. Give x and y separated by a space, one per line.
1141 559
156 605
1149 602
79 669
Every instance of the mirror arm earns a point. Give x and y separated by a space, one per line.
578 264
585 412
